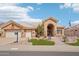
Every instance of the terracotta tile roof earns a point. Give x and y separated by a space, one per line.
73 27
60 26
28 25
9 22
31 25
51 18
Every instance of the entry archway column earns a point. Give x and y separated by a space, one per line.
45 31
55 30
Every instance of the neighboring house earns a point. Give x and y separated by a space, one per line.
72 31
26 29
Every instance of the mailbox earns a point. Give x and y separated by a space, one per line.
16 33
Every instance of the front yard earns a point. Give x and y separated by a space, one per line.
41 42
75 44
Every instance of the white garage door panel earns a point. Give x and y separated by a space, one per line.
12 34
28 34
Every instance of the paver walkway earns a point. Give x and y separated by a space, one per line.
59 41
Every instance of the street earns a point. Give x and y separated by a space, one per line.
37 53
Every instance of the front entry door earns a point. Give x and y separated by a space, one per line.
50 30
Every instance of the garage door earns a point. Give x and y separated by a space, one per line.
28 35
12 34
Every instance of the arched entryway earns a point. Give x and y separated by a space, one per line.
50 30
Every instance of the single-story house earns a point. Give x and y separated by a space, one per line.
27 29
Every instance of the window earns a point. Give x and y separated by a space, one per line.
59 31
75 30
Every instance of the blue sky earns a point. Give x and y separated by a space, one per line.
46 10
41 11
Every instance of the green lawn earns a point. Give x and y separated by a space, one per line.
41 42
75 44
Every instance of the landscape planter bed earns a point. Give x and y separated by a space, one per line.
74 44
41 42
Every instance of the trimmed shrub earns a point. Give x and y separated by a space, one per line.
75 44
42 42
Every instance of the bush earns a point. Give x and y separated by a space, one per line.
64 38
75 44
41 42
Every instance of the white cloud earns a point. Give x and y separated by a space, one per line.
7 4
17 13
32 20
75 22
66 5
74 6
76 9
39 3
30 7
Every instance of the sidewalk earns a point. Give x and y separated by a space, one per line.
39 48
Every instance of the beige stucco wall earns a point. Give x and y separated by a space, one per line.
62 32
12 27
33 33
50 21
46 24
62 29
